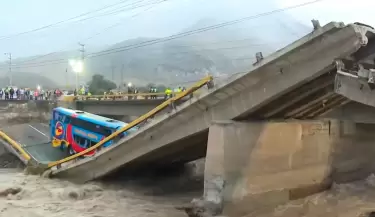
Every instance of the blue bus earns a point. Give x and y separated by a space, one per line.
74 131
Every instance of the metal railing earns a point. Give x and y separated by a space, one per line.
15 145
206 81
124 96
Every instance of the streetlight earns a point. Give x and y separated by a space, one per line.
77 67
130 84
9 55
38 87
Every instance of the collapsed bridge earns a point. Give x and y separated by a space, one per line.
324 70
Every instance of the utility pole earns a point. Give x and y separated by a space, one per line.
66 78
122 76
10 67
113 72
82 50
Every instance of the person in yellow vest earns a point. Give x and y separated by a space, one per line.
82 91
168 93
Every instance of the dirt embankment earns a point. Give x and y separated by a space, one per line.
22 113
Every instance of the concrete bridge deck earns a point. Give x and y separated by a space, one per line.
295 82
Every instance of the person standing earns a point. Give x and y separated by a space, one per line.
6 93
11 93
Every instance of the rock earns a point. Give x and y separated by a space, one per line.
10 191
200 208
76 194
367 214
73 195
8 160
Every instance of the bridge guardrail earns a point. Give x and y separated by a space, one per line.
128 96
16 146
206 81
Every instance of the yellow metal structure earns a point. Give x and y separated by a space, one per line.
16 146
139 120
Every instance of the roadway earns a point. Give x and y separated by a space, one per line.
295 82
34 138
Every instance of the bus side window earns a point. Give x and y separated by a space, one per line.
66 120
107 132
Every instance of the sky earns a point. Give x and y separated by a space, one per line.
150 19
347 11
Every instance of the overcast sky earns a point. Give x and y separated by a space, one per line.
150 20
348 11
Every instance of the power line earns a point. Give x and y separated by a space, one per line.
200 30
62 21
90 37
191 32
120 11
194 45
59 61
114 12
10 66
117 24
23 63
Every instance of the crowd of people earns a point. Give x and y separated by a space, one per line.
132 91
14 93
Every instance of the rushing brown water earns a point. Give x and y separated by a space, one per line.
343 200
41 197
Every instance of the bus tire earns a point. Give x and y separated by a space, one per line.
70 150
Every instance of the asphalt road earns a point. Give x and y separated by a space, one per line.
35 140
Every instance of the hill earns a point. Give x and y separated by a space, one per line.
218 51
26 79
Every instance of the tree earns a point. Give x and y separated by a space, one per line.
98 85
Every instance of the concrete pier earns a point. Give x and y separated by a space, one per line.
252 167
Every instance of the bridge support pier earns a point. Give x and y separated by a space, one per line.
252 167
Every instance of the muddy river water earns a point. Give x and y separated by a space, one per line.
41 197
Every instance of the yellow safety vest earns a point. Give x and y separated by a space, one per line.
168 91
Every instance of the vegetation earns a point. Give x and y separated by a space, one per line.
98 85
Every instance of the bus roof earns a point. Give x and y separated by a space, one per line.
96 119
